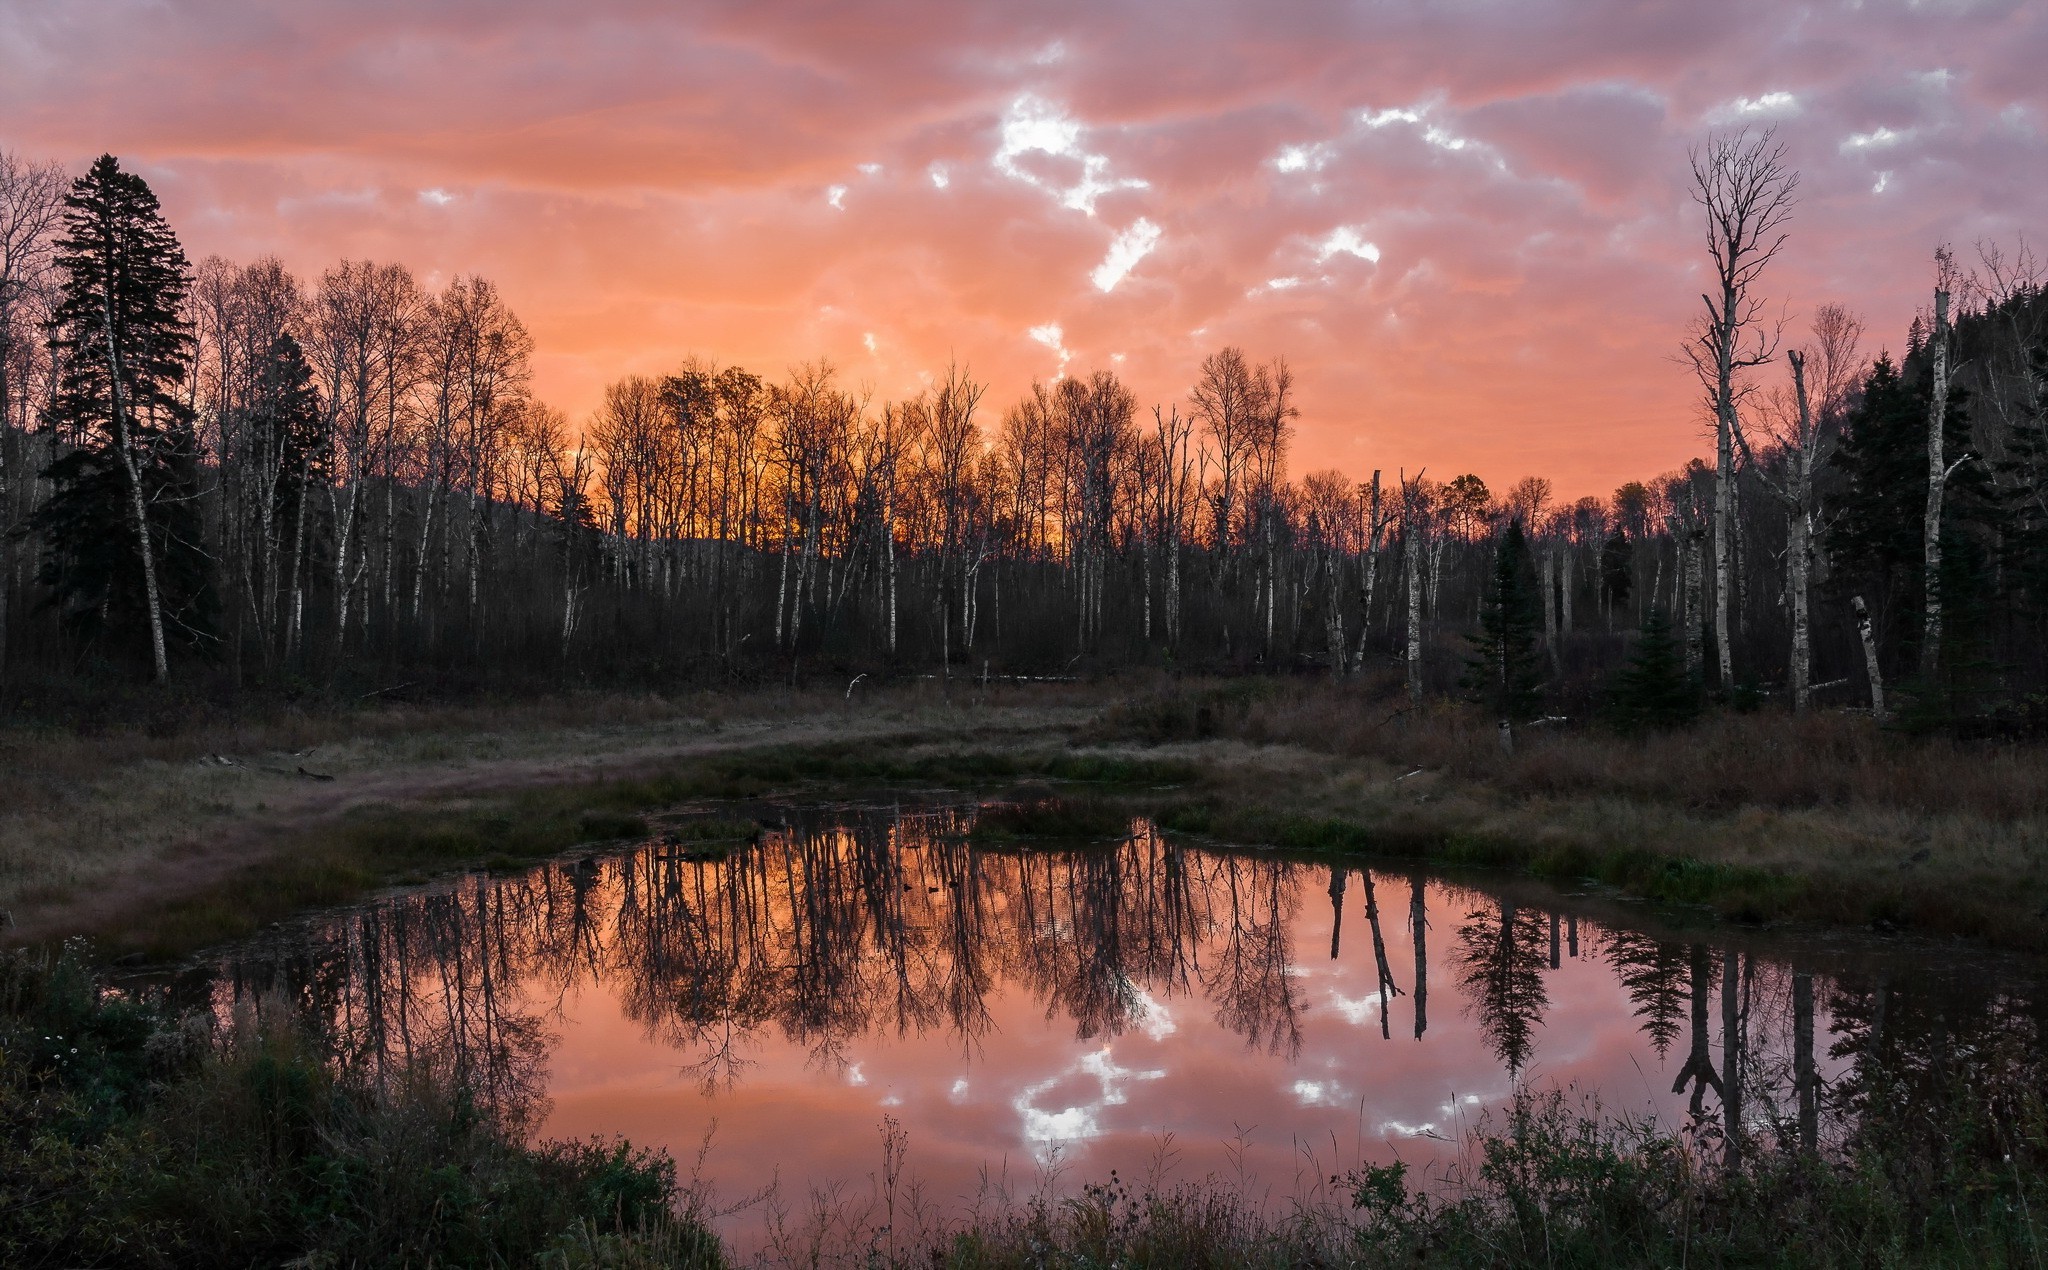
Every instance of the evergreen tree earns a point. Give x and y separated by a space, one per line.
1617 575
1875 545
1503 670
125 559
1655 690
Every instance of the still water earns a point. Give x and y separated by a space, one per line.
1046 1014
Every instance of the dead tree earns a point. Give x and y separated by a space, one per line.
1747 192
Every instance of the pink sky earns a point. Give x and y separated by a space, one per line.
1466 224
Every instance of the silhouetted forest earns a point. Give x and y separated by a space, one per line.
227 475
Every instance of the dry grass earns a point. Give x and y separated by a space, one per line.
97 833
1762 816
1765 815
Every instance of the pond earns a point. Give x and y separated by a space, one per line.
1036 1014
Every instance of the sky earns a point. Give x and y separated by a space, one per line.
1466 224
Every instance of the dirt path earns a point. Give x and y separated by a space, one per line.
154 832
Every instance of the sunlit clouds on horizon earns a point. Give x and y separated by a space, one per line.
1467 228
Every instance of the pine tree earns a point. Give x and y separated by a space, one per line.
1503 670
1617 573
126 560
1875 546
1655 690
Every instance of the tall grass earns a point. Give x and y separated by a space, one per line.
1551 1182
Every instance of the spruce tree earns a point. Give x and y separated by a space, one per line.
1503 671
1874 545
125 558
1617 574
1655 690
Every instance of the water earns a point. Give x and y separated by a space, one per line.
1041 1015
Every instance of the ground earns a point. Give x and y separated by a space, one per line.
159 844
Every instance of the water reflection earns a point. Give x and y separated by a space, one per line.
861 961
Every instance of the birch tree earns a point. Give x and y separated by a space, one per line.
1746 192
1805 428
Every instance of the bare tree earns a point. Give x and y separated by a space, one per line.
1938 469
1805 433
1742 184
31 200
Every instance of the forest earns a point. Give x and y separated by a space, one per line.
227 477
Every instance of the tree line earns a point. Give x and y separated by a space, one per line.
226 472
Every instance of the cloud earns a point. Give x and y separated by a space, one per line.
767 184
1125 251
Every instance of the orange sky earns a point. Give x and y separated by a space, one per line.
1466 224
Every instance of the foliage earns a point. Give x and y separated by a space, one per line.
131 1136
1655 690
1503 671
125 349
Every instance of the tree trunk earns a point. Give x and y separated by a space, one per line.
138 516
1414 616
1418 925
1869 657
1550 605
1724 546
1368 573
1805 1079
1694 619
1937 483
1796 551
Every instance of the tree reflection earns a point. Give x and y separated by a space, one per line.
1501 959
859 922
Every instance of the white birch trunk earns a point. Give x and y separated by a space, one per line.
1869 657
138 516
1414 615
1937 484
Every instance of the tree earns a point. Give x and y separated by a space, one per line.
1805 431
1617 572
31 200
1655 690
1502 671
131 456
1747 193
1877 534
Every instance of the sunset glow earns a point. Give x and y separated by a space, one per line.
1468 227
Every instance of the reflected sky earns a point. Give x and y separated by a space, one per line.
1142 1005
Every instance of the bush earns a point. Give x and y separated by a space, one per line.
130 1136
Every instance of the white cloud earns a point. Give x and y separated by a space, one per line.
870 169
1045 1129
1037 126
1053 338
1313 157
1416 116
1358 1011
1772 104
1344 240
1125 251
1282 284
868 338
1153 1018
1380 119
836 196
939 177
437 197
1319 1093
1875 139
1884 179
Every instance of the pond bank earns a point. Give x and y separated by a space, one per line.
156 856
